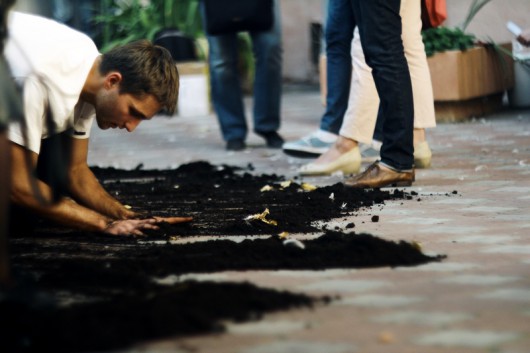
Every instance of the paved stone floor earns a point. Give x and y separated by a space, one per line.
477 300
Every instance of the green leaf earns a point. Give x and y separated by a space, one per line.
475 7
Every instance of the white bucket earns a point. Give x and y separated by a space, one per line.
519 96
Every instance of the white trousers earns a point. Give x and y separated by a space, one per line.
363 105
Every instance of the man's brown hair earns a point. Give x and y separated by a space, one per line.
146 69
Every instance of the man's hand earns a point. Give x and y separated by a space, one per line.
135 226
130 226
173 220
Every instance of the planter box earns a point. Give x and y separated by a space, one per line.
469 83
194 93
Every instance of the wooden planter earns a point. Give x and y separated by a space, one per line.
469 83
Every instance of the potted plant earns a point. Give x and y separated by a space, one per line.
124 21
469 77
173 24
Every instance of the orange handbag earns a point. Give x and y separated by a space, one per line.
434 13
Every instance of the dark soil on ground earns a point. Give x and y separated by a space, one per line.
84 291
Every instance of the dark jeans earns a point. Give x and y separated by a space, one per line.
378 131
227 95
338 35
379 25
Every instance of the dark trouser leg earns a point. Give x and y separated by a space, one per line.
380 29
267 48
378 132
339 34
226 91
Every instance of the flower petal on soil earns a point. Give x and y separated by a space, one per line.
266 188
262 217
308 187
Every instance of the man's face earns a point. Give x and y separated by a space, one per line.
124 111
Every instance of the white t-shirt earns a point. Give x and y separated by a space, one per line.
50 62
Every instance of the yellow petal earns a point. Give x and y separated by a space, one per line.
308 187
283 235
286 184
266 188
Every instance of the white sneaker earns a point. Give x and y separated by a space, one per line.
312 145
347 163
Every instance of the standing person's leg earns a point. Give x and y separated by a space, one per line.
267 48
380 29
338 34
424 116
226 89
420 75
363 102
378 130
358 122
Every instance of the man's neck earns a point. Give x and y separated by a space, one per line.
92 83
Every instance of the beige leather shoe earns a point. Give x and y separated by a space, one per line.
422 155
377 177
348 163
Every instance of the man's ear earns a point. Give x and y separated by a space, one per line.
112 79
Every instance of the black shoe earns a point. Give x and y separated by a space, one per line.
235 145
273 139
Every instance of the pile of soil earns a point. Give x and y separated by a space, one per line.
95 292
33 321
220 197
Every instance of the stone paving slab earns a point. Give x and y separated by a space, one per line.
477 300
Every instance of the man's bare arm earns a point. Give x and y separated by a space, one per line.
65 211
25 188
86 189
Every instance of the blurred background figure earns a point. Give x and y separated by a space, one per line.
363 105
78 14
9 107
380 32
226 90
